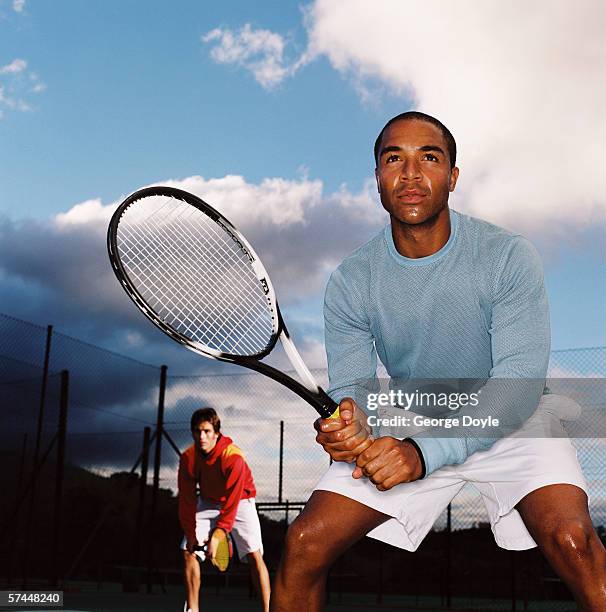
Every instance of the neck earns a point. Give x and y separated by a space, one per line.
423 239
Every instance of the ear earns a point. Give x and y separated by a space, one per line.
377 180
454 175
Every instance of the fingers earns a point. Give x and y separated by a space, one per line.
388 462
372 452
347 409
357 473
328 425
350 454
352 441
381 476
389 483
345 438
347 412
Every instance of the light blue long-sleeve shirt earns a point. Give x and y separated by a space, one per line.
476 309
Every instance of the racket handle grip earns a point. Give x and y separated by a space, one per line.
329 409
335 414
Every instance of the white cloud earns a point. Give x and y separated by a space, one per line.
259 51
283 219
290 224
520 85
18 6
362 204
16 84
36 86
17 65
91 213
274 201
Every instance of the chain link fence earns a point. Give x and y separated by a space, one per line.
106 509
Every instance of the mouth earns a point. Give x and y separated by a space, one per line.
412 196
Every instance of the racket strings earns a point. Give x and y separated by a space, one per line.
181 309
163 297
195 275
243 283
232 320
186 304
222 555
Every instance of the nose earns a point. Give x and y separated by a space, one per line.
410 170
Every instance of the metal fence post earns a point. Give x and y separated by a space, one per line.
61 438
281 462
142 490
156 486
40 425
47 348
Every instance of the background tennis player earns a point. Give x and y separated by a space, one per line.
440 295
226 501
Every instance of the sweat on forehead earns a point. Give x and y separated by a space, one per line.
451 145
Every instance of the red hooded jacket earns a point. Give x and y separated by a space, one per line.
223 476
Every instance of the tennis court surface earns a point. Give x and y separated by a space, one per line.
239 601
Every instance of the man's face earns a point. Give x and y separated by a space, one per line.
413 173
205 436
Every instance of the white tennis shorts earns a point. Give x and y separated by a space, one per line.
246 532
503 475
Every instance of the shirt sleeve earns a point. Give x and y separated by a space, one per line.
350 348
187 499
234 468
520 345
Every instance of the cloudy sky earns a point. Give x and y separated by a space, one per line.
270 115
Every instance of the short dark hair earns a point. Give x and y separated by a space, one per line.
418 116
206 415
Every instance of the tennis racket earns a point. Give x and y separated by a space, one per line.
224 551
194 275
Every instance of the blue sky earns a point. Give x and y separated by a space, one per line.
133 96
101 98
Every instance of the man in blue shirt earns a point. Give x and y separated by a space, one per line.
440 295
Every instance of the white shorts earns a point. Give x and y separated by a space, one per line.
246 532
503 475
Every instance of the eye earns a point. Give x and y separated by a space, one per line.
392 158
430 157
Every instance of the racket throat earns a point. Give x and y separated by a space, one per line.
298 363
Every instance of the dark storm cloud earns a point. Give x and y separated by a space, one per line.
57 272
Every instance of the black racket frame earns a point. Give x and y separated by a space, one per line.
320 400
